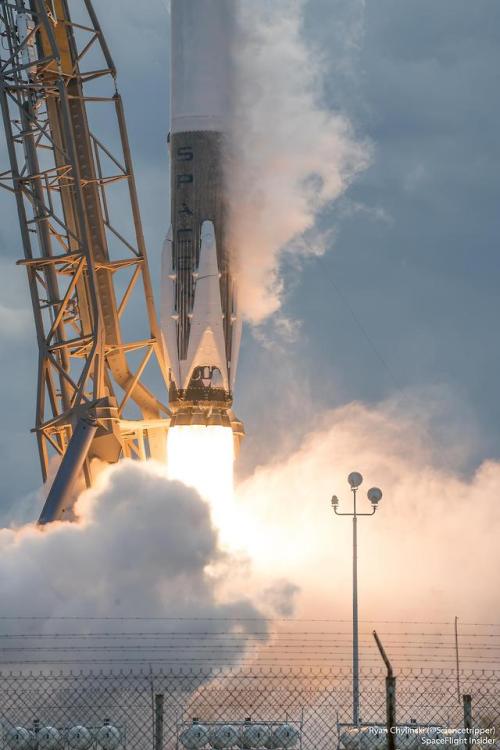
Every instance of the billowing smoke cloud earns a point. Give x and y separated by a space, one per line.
429 553
143 547
292 155
281 596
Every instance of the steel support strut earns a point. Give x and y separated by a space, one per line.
85 270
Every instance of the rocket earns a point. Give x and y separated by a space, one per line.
201 325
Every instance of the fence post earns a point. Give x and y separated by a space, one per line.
158 738
468 719
390 696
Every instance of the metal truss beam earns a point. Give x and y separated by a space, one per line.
86 267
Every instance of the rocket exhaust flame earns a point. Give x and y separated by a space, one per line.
200 321
203 457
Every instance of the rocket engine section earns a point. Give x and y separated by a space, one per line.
200 322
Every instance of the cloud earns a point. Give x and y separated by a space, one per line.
429 551
144 546
15 320
280 596
292 155
277 333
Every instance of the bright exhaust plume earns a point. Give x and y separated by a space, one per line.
203 458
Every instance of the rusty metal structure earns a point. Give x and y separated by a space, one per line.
85 267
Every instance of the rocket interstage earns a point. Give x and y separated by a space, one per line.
201 325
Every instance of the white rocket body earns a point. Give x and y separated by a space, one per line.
200 64
206 340
200 321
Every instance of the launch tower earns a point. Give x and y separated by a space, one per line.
85 265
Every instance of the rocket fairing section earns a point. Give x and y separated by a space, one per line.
201 325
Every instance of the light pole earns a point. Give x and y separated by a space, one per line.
374 496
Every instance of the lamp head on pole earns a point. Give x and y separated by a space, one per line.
374 496
335 501
355 479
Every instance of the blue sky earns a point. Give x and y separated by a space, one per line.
405 302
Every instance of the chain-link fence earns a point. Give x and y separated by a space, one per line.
307 708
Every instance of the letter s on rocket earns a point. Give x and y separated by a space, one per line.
200 323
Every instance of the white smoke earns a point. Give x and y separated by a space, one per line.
431 550
292 155
143 546
146 546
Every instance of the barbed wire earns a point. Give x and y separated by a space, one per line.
257 662
272 646
238 620
221 648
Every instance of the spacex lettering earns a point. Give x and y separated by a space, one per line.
201 326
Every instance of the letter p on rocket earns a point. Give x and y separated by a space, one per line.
201 326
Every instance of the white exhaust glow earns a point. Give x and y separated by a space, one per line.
203 458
